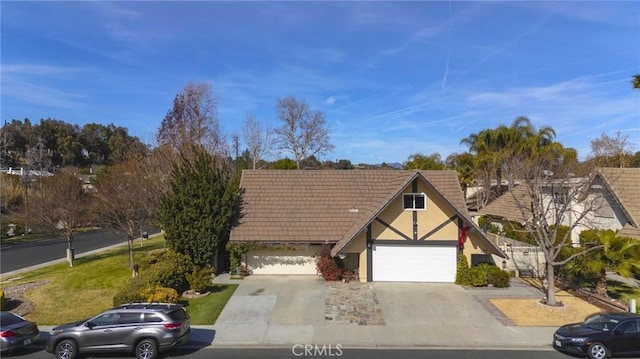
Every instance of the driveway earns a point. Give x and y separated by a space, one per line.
290 310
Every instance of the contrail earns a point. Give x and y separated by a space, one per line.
446 69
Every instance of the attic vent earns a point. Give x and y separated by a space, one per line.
353 210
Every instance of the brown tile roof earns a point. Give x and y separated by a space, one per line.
624 183
506 207
327 205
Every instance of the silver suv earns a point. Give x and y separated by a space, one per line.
142 328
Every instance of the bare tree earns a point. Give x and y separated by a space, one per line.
304 131
548 196
125 200
192 120
63 207
612 151
259 141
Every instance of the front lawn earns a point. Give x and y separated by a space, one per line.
88 288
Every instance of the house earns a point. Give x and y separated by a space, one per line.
623 188
386 225
609 199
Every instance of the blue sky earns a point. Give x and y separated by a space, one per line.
393 78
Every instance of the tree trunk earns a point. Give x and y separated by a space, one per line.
601 284
132 265
551 287
70 254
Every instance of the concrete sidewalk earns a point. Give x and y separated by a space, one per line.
290 310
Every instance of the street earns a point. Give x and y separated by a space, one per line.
321 351
23 255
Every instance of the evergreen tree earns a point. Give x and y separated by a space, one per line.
201 206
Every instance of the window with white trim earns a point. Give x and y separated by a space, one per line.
414 201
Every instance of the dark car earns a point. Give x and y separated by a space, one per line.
601 336
16 332
140 328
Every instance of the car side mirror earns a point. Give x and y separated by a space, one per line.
89 325
617 332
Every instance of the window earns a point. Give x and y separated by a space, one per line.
105 319
629 327
152 318
128 318
414 201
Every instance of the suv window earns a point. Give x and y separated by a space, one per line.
128 318
177 315
152 318
105 319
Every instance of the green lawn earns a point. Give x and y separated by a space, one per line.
88 288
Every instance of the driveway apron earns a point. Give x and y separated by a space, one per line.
290 310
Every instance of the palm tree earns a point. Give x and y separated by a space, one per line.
618 254
464 164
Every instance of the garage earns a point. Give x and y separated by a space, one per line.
268 261
414 263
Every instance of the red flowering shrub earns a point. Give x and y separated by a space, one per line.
327 266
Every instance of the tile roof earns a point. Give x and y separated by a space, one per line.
326 205
624 183
505 206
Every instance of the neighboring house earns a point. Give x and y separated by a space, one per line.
611 202
623 185
387 225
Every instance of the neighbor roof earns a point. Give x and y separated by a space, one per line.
327 206
506 206
624 184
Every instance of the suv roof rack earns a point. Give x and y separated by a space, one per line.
146 305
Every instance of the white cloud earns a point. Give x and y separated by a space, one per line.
330 100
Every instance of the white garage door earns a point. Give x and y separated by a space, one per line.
411 263
301 261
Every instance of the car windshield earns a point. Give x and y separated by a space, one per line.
600 322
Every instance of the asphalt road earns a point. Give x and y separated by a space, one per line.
17 256
319 351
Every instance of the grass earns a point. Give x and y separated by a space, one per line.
86 289
205 310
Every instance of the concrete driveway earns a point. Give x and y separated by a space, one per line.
290 310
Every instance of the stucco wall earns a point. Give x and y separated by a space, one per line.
436 213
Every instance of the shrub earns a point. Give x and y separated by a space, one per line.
3 300
327 266
479 275
463 276
160 295
167 269
498 278
130 292
164 269
199 278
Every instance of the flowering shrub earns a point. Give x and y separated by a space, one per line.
327 266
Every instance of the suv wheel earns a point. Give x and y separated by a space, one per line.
66 349
146 349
